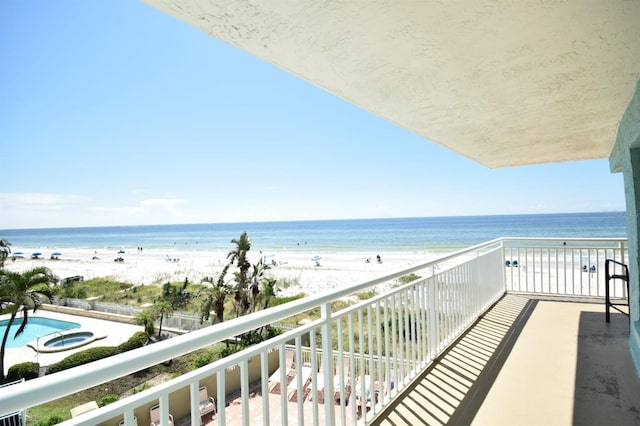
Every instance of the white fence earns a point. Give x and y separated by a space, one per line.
181 321
364 354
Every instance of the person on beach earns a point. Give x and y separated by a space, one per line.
379 259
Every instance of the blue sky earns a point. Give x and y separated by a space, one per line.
113 113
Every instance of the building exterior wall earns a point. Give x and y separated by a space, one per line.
625 157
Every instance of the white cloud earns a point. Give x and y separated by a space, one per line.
33 201
161 208
44 210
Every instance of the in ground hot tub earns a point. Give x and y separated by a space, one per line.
57 342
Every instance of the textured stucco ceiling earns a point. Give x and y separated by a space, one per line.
502 82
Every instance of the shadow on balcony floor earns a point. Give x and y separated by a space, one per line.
528 362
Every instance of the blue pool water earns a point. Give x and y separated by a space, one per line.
36 327
69 340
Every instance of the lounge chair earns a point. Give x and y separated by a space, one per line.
135 421
154 412
292 388
274 380
334 397
207 403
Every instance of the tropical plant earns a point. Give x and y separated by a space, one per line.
215 297
161 309
269 291
178 297
20 292
146 318
257 284
5 251
239 256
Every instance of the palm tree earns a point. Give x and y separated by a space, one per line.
214 298
5 251
20 292
239 256
162 309
269 291
257 277
145 319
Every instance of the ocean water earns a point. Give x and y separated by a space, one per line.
402 234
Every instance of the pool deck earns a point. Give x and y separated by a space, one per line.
114 332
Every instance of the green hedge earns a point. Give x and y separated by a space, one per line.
138 340
83 357
25 370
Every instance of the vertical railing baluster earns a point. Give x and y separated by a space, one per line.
341 374
370 353
244 392
394 336
379 337
299 392
327 363
264 373
387 347
194 399
352 370
315 371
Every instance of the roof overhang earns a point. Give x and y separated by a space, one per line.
503 83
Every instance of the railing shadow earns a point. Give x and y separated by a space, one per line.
452 389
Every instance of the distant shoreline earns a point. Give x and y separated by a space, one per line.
160 225
412 235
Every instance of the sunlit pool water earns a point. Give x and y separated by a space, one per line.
36 327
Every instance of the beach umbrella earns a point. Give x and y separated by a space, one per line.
36 254
56 253
18 253
316 258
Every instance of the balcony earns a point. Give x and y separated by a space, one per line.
468 339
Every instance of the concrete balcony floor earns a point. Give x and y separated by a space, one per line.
529 361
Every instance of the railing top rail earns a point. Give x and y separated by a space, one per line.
561 239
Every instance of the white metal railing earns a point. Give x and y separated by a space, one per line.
567 267
364 354
17 418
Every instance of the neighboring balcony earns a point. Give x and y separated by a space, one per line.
466 339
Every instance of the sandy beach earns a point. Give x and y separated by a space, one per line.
151 266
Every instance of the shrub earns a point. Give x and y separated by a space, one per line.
25 370
364 295
53 420
405 279
203 359
107 399
84 357
138 340
282 300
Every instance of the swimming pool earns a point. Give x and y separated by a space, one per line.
36 327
